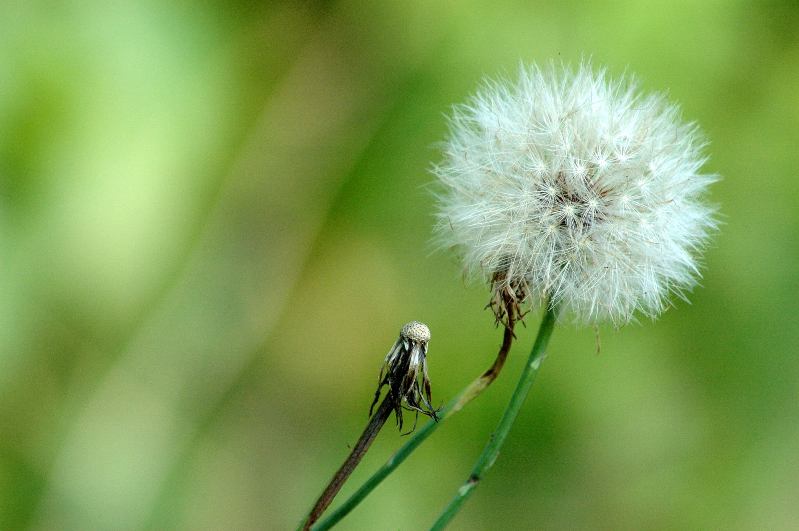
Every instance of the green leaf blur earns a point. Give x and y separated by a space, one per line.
216 216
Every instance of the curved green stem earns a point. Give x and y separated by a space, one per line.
467 395
491 451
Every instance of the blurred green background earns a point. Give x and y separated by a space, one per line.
215 217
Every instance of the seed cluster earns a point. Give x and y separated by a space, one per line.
578 187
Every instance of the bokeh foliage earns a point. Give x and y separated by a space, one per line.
215 217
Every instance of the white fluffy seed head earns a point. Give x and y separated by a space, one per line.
579 187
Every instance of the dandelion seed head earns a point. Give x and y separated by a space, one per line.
580 188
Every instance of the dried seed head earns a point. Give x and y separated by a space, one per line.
416 331
405 373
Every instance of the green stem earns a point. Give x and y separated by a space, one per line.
491 451
466 396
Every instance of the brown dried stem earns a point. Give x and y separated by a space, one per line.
360 449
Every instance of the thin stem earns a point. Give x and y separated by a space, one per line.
466 396
491 451
360 449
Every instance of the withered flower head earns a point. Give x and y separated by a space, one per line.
405 373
